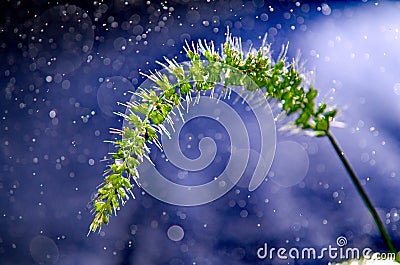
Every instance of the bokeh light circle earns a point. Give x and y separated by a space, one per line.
290 165
43 250
60 39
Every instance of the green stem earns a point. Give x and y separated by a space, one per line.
364 196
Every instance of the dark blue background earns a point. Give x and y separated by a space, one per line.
53 120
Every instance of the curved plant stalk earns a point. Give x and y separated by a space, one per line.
382 229
279 80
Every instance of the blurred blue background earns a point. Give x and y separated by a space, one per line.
65 64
